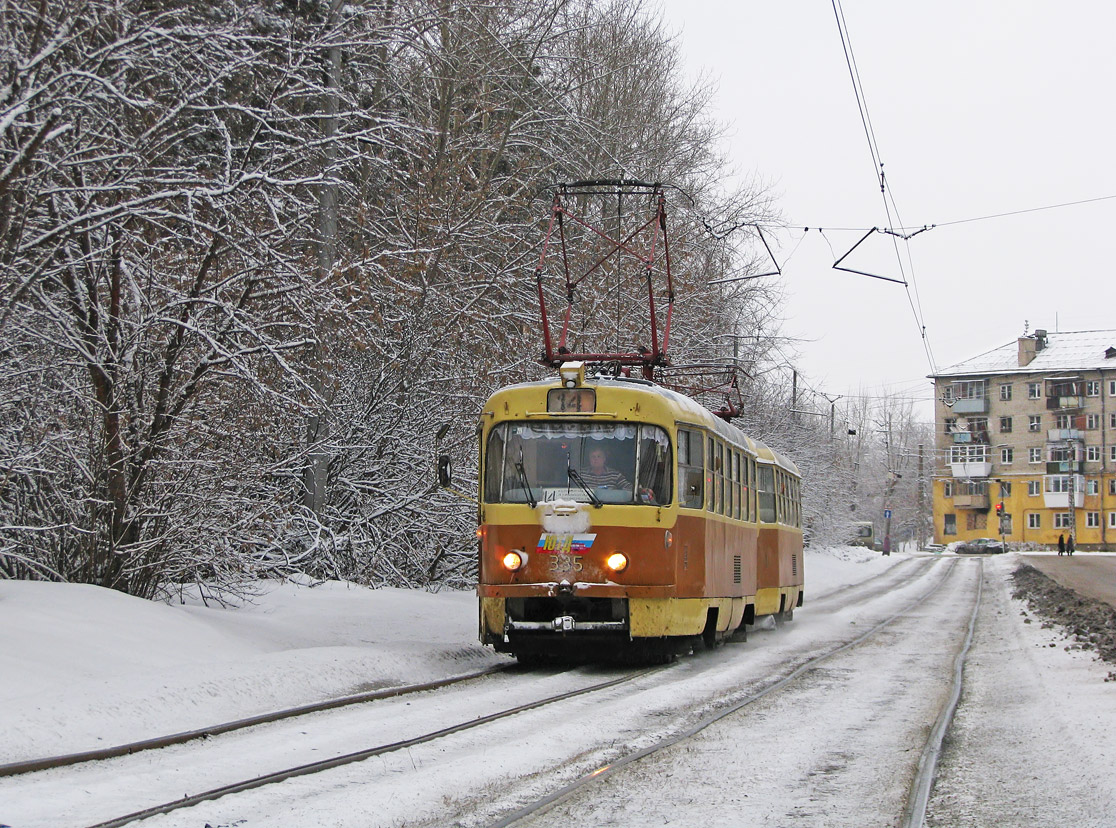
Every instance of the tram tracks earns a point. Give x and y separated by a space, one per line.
157 742
346 758
885 583
915 812
862 590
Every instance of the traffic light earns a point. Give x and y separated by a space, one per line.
1000 509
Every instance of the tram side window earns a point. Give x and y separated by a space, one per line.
719 469
738 473
710 486
690 472
749 489
734 477
766 494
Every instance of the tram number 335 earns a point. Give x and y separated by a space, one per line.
565 563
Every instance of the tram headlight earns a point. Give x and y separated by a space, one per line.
514 560
617 562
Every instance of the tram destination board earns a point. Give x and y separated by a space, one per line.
571 401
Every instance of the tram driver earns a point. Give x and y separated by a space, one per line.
600 474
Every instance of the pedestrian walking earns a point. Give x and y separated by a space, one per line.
1061 544
1069 545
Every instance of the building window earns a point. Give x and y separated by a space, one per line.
1005 393
1112 486
1092 422
1062 454
1059 483
1034 520
1092 520
1034 422
950 525
947 488
1005 425
1034 488
1112 520
968 453
1092 388
1034 455
1007 455
1034 390
1092 454
1092 487
950 425
1065 387
970 390
1112 388
1112 453
1063 421
1112 420
1061 520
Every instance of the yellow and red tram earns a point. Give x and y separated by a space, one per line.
619 517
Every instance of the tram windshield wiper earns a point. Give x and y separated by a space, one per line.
576 477
526 483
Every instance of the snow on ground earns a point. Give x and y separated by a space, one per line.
84 667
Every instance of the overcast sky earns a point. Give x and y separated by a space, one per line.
977 109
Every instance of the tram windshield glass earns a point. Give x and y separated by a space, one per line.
588 462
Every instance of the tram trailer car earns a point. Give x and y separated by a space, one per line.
619 518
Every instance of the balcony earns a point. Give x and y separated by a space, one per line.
1062 435
1065 467
970 405
1061 500
1063 403
971 501
971 469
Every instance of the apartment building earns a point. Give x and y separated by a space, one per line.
1026 442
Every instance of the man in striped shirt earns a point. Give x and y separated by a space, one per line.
600 475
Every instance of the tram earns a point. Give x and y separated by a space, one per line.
619 517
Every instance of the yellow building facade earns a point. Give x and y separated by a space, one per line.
1026 442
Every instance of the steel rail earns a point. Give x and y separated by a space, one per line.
609 769
359 756
915 814
869 586
50 762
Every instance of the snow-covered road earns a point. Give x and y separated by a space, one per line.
836 746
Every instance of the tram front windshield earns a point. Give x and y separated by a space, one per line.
588 462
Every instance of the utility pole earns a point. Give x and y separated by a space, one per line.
794 393
921 500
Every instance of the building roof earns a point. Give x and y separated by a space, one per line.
1064 351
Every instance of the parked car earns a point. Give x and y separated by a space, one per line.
981 546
